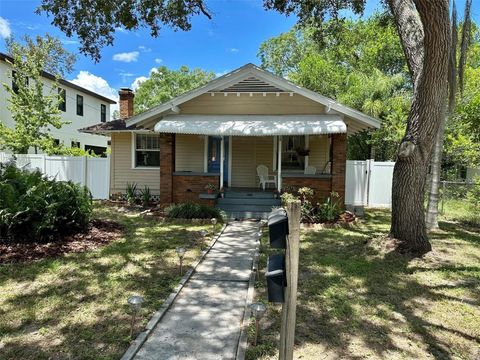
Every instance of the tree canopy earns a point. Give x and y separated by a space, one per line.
361 66
165 84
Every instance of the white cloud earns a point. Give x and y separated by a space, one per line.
233 50
120 29
136 83
127 57
158 60
218 74
98 85
5 30
144 49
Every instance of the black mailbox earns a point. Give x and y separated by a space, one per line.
278 229
276 280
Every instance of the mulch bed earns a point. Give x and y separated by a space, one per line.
100 233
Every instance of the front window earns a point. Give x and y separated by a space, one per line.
147 150
293 152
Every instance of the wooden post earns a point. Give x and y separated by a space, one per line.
289 308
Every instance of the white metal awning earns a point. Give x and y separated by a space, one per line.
251 125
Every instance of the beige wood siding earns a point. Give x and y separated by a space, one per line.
121 167
243 165
189 152
257 104
318 145
247 154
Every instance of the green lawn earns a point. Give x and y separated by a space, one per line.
360 300
74 307
461 211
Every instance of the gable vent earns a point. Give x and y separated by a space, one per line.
251 84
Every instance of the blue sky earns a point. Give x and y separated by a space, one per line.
228 41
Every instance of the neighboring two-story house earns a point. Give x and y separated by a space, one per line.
81 108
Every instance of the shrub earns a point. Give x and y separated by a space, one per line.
131 193
193 211
35 208
310 213
329 210
145 196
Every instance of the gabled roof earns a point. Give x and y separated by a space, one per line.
251 78
9 60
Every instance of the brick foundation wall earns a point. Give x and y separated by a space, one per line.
167 166
186 188
339 164
321 187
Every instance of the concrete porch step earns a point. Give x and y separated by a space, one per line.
253 194
252 208
248 214
248 201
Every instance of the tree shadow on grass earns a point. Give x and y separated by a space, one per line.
75 306
357 300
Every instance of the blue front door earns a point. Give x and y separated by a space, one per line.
214 143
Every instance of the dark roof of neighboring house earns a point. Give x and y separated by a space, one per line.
7 58
109 126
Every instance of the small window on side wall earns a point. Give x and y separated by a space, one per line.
147 150
80 105
103 113
62 99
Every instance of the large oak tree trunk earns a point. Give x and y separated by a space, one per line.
428 108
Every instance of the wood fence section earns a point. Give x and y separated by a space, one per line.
92 172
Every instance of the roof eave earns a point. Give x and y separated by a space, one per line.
276 80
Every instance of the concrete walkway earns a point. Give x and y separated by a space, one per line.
204 321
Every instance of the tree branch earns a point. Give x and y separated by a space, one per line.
410 30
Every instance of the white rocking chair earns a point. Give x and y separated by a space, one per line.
264 177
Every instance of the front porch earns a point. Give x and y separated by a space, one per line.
188 163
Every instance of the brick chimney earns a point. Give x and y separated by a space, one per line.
126 102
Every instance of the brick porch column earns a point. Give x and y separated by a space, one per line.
339 164
167 167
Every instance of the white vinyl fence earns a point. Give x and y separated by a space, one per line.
92 172
369 183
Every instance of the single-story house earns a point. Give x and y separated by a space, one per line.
220 134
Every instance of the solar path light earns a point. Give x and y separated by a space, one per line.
135 303
258 311
181 254
214 223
